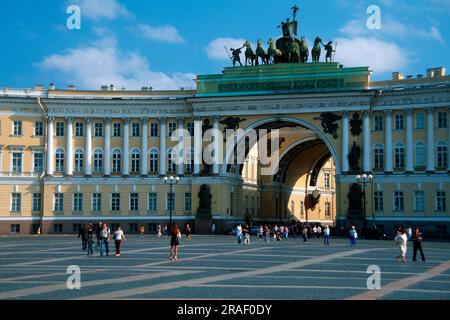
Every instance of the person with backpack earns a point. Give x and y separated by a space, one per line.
118 237
417 244
105 235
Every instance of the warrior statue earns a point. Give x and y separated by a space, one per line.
329 48
287 27
236 56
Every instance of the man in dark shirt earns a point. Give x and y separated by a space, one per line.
417 245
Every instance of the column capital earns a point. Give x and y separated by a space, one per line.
162 120
429 110
107 120
126 120
69 119
216 118
88 120
197 118
180 119
388 112
409 111
346 113
144 120
50 119
366 113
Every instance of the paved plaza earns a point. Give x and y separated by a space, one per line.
216 267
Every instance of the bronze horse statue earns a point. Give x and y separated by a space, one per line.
304 52
249 54
273 51
316 50
261 53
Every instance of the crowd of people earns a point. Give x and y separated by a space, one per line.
98 236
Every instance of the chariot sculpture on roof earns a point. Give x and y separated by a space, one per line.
286 49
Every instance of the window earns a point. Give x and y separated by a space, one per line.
419 201
188 201
76 227
379 156
172 128
78 129
190 128
38 129
98 129
153 129
60 129
117 129
115 202
97 202
442 120
170 201
135 129
378 123
17 128
302 209
16 201
57 228
17 162
152 201
98 161
399 155
398 201
135 159
327 180
15 228
154 160
171 167
420 120
77 202
116 161
36 205
134 202
441 204
38 162
59 159
327 209
399 122
442 155
190 160
378 198
420 154
79 157
59 202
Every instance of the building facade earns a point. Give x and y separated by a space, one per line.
68 157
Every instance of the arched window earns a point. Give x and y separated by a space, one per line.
399 155
135 160
171 167
79 159
59 159
420 154
379 156
116 161
154 160
98 161
442 154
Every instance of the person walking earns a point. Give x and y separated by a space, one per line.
118 237
353 236
326 236
90 240
105 235
305 234
159 234
165 231
213 229
261 233
319 231
175 235
98 231
142 230
266 234
409 233
239 234
417 244
83 233
188 232
401 240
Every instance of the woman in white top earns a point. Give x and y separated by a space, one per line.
118 237
401 239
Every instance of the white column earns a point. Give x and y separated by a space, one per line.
430 141
107 160
162 147
388 168
345 141
88 160
367 146
216 146
126 147
144 149
409 143
197 145
69 146
50 151
180 151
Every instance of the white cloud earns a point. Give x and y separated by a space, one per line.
165 33
216 48
102 63
102 9
381 56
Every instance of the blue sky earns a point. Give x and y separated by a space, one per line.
164 44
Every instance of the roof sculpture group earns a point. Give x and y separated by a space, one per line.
287 49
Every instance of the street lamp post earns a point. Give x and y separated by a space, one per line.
364 180
171 181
